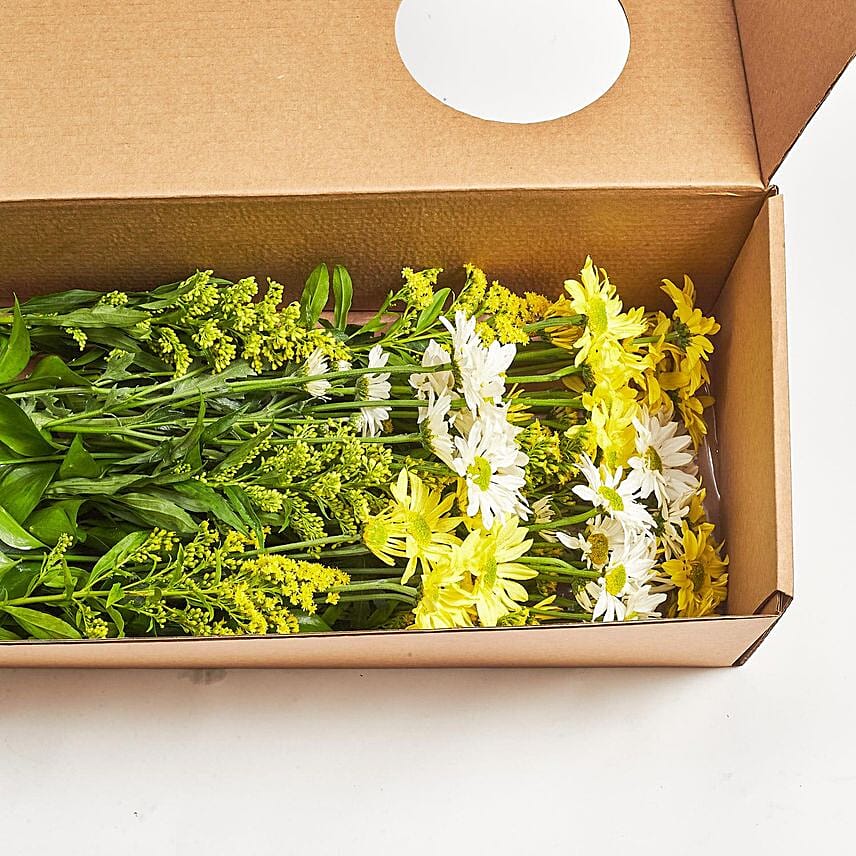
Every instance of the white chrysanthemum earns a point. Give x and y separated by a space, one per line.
543 512
602 536
663 460
435 427
480 370
625 573
316 364
671 531
640 603
494 475
343 365
439 383
618 498
374 387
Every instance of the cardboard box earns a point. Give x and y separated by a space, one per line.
143 140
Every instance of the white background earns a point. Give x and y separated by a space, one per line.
658 761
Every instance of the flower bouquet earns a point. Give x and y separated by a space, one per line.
204 459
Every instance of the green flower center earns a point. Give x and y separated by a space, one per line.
597 320
697 575
376 534
652 460
612 497
418 529
480 472
598 548
615 580
489 571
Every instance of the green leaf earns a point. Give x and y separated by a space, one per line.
209 500
41 624
16 354
51 373
432 311
241 453
156 511
78 463
99 316
312 624
105 486
8 635
343 294
52 521
13 534
116 556
244 508
115 595
63 301
22 486
314 297
19 433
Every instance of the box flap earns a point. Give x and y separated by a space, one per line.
206 98
793 53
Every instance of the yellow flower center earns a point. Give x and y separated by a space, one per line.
596 313
418 529
480 472
652 460
697 575
598 548
612 496
615 580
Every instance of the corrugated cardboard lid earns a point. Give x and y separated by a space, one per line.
210 98
793 52
213 98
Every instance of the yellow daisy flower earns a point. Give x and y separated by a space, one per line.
414 526
444 602
607 324
489 558
689 322
699 573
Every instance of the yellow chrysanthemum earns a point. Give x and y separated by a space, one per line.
699 573
612 413
606 323
690 324
414 526
444 602
489 558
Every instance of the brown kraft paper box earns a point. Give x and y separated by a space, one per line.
141 141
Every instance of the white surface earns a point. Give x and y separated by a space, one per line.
686 762
510 61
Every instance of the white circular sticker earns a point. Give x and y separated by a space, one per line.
510 61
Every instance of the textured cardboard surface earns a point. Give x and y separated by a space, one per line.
703 642
528 239
750 375
793 52
222 97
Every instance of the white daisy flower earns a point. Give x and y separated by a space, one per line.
624 574
435 427
316 364
640 603
374 387
494 474
602 536
343 365
661 465
480 370
671 533
542 512
439 383
618 498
